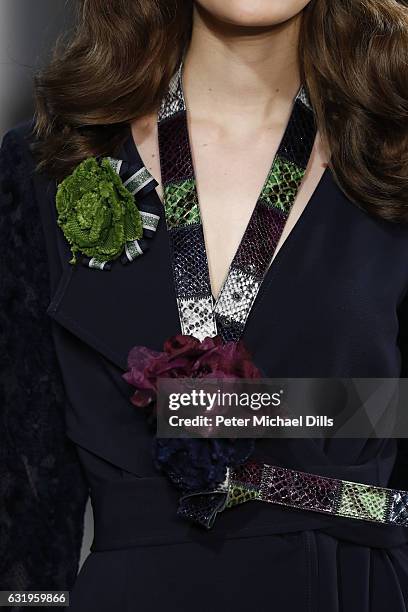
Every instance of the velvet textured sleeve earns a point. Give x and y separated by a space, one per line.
42 488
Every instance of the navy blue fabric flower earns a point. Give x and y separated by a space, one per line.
195 464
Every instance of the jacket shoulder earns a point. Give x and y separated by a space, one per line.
22 133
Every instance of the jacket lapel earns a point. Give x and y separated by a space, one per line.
134 304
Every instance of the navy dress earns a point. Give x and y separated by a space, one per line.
334 304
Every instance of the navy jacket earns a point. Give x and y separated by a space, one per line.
334 303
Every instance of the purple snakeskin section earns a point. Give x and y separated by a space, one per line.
260 240
249 474
299 136
175 154
299 489
228 329
190 263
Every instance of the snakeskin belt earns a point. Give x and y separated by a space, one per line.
255 481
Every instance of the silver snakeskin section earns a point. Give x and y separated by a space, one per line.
399 508
237 295
303 97
196 317
174 101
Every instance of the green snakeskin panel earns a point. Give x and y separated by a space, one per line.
238 494
362 501
181 204
282 184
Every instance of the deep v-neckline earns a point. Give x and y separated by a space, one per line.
132 154
200 313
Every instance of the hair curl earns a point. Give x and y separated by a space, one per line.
354 62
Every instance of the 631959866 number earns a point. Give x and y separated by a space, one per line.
34 598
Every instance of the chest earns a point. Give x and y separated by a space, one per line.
230 174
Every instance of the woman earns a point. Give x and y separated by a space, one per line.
198 100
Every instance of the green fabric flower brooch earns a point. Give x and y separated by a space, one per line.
97 212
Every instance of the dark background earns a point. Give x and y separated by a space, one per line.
28 31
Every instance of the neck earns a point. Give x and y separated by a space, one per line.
238 70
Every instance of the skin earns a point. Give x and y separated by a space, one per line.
240 77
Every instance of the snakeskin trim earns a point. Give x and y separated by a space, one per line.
398 511
199 314
238 494
261 237
196 317
189 258
298 489
238 295
173 103
227 329
362 501
181 204
281 186
304 98
255 481
190 268
306 491
243 484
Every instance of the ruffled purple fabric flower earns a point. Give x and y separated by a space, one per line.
192 464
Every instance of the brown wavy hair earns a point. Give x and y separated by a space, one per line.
354 63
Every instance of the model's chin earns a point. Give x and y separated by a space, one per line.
261 14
